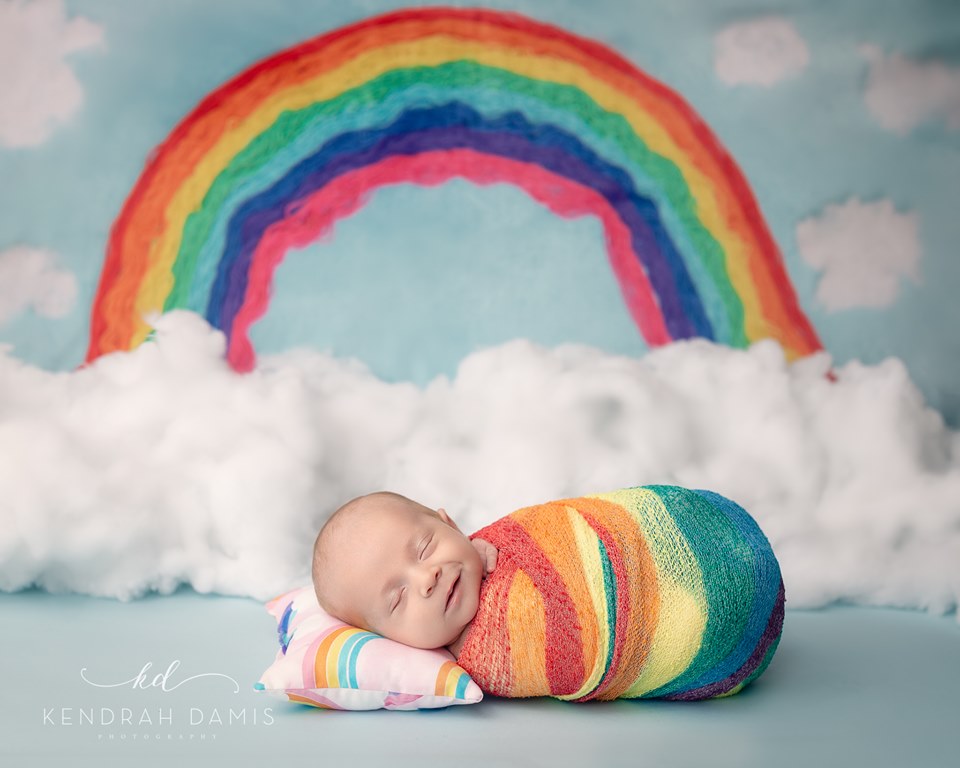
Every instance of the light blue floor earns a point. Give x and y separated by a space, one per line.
849 686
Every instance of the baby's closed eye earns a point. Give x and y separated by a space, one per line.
427 543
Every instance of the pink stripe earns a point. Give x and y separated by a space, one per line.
314 216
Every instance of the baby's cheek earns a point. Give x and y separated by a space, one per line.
475 602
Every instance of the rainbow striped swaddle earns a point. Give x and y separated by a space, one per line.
655 591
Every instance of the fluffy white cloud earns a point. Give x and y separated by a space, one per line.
761 51
29 277
37 87
161 466
863 250
901 93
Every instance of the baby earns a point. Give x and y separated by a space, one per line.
395 567
652 591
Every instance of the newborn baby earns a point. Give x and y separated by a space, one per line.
644 592
392 566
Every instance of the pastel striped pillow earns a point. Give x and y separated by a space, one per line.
326 663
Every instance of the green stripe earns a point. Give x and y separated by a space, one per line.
610 595
702 254
726 561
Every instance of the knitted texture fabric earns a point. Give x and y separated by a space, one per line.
647 592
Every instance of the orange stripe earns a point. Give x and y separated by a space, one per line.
303 700
440 687
239 98
526 619
143 217
320 660
549 526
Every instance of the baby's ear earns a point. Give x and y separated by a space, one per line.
442 513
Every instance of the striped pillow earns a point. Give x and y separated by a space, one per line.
326 663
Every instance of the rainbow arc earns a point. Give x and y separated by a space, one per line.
274 158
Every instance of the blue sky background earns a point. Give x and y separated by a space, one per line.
421 277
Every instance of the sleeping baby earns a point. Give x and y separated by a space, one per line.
392 566
653 591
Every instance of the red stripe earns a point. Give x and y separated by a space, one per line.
125 266
111 290
564 662
317 214
485 654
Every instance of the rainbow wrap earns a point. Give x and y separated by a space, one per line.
655 591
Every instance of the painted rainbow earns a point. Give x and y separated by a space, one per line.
274 158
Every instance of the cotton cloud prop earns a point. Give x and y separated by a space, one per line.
863 251
162 466
37 87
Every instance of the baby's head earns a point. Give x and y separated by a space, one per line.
387 564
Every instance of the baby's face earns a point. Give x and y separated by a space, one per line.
405 572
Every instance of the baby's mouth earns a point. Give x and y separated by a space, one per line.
452 594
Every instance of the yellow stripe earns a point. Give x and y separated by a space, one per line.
589 552
333 655
453 680
442 685
676 642
680 626
431 51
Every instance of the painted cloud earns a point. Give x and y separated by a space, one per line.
762 51
862 250
901 93
37 87
29 277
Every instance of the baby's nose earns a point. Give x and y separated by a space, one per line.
430 576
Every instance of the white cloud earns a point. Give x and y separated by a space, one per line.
162 466
901 93
762 51
29 277
863 250
37 87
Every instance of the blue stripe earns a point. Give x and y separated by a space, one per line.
462 684
451 126
285 638
766 581
347 662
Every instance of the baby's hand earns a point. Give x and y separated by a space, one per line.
488 554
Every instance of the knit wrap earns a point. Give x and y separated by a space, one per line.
646 592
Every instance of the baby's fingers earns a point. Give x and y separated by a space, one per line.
488 554
489 558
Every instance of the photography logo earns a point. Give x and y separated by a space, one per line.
148 707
